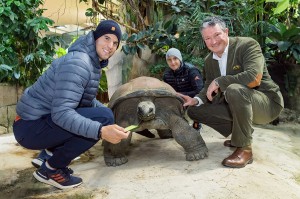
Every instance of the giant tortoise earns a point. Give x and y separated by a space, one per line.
151 104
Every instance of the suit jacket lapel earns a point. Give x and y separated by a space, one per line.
231 55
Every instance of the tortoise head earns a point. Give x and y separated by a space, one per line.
146 110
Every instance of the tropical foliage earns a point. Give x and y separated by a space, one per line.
161 24
157 24
24 52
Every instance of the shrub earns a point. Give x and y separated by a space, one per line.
24 51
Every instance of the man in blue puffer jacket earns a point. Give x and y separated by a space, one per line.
59 113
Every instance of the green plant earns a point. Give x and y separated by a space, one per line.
156 38
103 86
156 70
5 70
179 26
174 29
283 5
24 52
284 43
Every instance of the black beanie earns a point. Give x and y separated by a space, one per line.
108 27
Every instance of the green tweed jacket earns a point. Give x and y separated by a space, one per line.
245 65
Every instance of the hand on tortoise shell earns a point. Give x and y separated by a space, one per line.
188 101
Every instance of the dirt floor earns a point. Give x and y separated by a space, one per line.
157 169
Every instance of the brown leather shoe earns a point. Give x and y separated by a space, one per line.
228 143
239 158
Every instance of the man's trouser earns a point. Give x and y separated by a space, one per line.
44 134
236 113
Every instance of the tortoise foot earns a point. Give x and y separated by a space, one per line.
115 161
197 155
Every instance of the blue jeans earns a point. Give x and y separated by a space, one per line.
44 134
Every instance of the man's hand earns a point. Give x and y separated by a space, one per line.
212 89
188 101
113 133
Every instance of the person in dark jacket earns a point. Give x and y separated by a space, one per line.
238 90
183 77
59 113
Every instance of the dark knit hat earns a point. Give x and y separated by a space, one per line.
108 27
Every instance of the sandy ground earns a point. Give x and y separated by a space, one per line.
157 169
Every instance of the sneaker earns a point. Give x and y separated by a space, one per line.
60 178
196 125
41 158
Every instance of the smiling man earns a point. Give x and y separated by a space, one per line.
238 90
59 113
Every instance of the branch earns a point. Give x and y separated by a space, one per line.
95 5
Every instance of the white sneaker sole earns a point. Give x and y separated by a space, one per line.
37 163
53 183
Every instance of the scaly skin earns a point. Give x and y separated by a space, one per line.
115 154
190 139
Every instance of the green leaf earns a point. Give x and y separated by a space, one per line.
133 50
125 49
2 48
177 9
5 67
17 74
29 58
141 46
140 35
9 2
275 36
292 32
17 3
12 17
284 45
132 38
281 6
269 1
89 12
156 27
168 24
296 54
124 36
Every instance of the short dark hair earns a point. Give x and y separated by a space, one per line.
212 21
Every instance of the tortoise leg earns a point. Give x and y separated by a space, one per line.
190 139
115 154
146 133
164 133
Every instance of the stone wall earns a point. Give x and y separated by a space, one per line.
9 96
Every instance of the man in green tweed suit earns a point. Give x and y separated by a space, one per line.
238 90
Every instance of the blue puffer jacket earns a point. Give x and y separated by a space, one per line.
70 82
